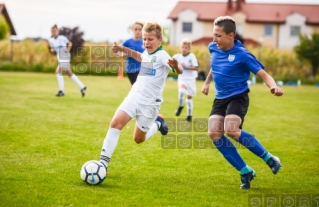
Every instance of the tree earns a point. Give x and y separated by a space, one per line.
4 28
308 49
74 35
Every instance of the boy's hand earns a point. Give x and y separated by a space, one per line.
276 91
172 63
116 48
205 89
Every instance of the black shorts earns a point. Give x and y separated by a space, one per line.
237 104
132 77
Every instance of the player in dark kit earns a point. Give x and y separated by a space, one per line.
231 65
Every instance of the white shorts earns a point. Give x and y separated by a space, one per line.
190 86
145 114
64 66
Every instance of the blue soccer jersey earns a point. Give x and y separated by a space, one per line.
132 65
231 69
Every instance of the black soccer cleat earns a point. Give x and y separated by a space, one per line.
246 179
189 119
83 90
163 128
274 164
60 93
179 111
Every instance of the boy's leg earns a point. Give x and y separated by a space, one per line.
189 102
122 116
60 79
74 78
181 97
236 112
147 126
228 150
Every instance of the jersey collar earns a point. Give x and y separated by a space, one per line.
158 49
186 54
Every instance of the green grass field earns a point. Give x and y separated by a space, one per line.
44 140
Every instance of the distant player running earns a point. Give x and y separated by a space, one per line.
61 46
231 65
187 80
145 98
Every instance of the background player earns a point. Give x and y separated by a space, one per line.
187 80
145 97
231 65
135 43
61 46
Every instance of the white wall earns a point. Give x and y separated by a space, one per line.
176 30
285 39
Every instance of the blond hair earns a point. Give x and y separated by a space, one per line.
153 27
227 22
187 42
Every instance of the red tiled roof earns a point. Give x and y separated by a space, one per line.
4 12
255 12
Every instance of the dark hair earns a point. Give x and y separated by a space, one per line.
54 27
227 22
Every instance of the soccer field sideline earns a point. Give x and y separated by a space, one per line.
44 140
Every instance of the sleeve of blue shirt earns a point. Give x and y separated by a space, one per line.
252 63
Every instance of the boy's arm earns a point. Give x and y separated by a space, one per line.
175 66
189 67
270 82
205 88
131 53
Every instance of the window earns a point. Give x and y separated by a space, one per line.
294 31
187 27
267 30
240 29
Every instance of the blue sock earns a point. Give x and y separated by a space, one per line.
251 143
230 153
246 170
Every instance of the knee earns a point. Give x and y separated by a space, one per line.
139 140
116 124
215 135
233 134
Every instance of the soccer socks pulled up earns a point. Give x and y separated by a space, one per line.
181 96
251 143
109 145
230 153
60 81
189 103
77 81
151 131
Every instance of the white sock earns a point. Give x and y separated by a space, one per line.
109 145
151 131
181 96
189 103
77 81
59 76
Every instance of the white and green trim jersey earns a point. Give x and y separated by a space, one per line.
190 61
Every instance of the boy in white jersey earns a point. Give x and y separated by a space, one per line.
187 80
61 46
145 98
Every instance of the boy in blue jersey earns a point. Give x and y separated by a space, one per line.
231 65
135 43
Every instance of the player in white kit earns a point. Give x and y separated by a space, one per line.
61 46
187 80
145 98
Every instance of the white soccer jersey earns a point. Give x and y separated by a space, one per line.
59 44
149 86
189 60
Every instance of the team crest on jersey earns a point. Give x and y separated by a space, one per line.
231 58
154 59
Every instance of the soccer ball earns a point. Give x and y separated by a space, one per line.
93 172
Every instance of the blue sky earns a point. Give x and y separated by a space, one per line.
100 20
